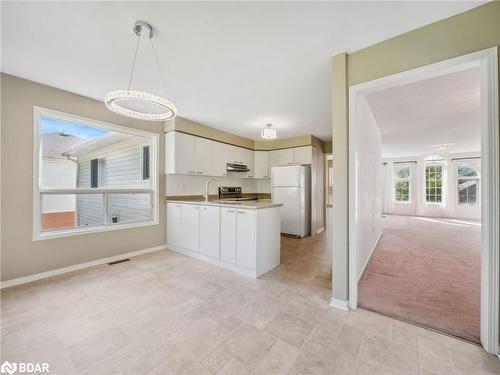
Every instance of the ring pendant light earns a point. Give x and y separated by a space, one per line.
139 104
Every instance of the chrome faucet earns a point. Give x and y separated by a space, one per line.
206 188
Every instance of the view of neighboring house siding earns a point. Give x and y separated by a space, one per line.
58 173
122 167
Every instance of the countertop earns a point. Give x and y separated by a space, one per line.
255 205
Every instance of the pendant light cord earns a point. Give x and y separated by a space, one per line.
159 68
133 63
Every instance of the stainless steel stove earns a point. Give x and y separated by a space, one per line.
233 194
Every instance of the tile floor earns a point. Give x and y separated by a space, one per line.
165 313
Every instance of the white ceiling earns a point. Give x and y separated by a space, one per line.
231 65
440 110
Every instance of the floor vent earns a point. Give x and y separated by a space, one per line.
118 261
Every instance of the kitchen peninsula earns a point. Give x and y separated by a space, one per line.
240 236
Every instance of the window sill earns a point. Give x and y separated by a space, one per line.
98 229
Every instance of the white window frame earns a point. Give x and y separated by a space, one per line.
399 179
434 164
38 234
470 178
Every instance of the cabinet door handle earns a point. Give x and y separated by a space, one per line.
199 172
191 172
196 207
241 212
230 211
178 205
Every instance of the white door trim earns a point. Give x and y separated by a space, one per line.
487 61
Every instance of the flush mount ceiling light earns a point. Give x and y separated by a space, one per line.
268 132
139 104
443 149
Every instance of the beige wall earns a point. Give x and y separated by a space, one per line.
201 130
468 32
327 147
20 255
340 207
195 128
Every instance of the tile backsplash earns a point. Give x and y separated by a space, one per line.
195 185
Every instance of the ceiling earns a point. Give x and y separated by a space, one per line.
440 110
231 65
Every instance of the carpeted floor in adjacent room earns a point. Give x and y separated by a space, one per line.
426 271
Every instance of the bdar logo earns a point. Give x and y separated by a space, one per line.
8 368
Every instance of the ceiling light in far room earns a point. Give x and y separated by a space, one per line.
268 132
443 149
139 104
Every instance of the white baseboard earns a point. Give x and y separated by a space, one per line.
369 257
339 304
76 267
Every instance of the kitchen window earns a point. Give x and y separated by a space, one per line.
91 176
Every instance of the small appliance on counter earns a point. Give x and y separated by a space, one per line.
234 194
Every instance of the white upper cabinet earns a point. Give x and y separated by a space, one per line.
191 155
248 160
219 156
261 164
286 157
235 154
179 153
273 160
203 156
303 155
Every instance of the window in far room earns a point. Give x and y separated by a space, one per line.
402 183
467 184
433 183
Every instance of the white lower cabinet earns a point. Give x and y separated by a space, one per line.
245 238
174 223
228 235
210 231
238 237
241 239
190 227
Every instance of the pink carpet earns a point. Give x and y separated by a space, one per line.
426 271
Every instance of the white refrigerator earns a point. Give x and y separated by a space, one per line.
291 186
